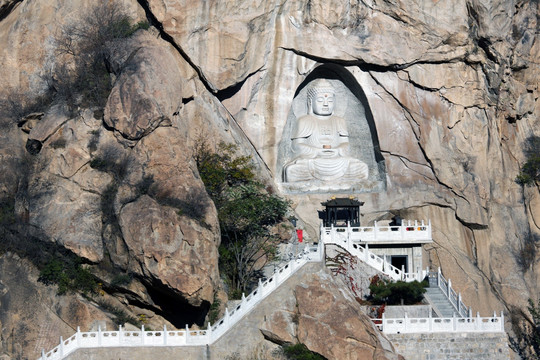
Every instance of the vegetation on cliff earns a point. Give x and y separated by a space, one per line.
84 79
247 213
80 73
530 170
526 343
394 293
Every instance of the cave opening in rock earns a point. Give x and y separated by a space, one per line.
173 307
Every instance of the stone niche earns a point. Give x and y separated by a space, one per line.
361 161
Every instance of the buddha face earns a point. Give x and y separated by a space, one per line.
323 103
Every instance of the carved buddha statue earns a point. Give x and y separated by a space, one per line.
320 142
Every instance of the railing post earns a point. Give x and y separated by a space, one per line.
227 318
259 288
405 323
187 328
449 289
402 230
477 321
439 277
61 346
383 325
502 321
164 334
459 304
209 333
120 335
470 312
42 354
78 336
429 228
99 335
366 253
375 231
403 273
142 334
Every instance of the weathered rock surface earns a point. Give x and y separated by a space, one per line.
326 318
173 251
144 95
32 317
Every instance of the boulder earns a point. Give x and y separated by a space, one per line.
323 308
148 91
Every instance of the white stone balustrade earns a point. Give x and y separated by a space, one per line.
452 296
342 239
349 240
408 232
185 337
122 338
431 324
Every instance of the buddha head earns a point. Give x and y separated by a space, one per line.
321 97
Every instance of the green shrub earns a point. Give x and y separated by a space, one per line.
213 312
69 276
392 293
121 280
301 352
144 25
530 171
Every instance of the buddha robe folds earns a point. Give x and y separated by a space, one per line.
320 145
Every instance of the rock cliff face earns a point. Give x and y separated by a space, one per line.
452 89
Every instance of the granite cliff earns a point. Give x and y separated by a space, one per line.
452 88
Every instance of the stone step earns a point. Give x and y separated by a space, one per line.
440 302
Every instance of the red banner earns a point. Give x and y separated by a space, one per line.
300 235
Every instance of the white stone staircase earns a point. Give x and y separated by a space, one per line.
187 337
344 239
443 297
121 338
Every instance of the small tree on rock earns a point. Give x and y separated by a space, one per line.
530 171
247 214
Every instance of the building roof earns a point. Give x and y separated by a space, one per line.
342 202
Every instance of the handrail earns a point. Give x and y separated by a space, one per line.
430 324
185 337
453 297
409 231
344 240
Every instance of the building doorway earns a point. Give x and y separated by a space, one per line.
399 261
